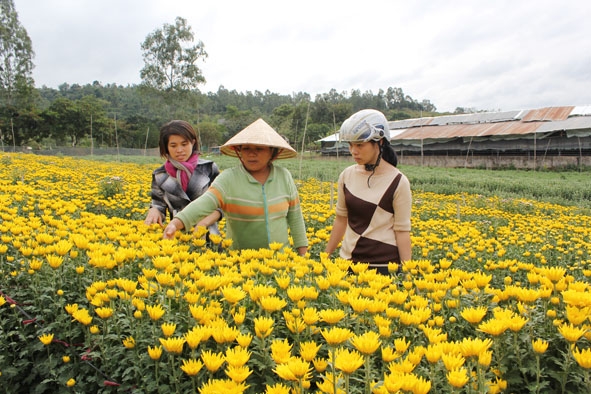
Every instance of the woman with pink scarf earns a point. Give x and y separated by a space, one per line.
183 177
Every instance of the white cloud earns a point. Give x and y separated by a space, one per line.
480 54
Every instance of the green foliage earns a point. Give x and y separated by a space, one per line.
169 64
111 186
16 58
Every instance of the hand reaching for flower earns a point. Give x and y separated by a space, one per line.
172 228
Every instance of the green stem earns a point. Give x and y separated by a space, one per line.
519 361
176 380
334 373
367 374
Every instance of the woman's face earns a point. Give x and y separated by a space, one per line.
179 148
364 152
255 157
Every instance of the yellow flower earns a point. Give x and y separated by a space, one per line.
263 326
452 361
388 354
82 316
238 374
283 371
173 345
129 343
470 347
583 357
193 337
104 313
295 369
336 335
155 312
485 358
367 343
516 323
212 361
309 350
191 367
94 329
474 315
433 353
283 281
239 315
401 345
237 356
277 388
348 361
71 382
458 377
272 303
570 332
244 339
54 261
320 364
310 316
168 329
494 327
233 294
540 346
281 350
332 316
155 352
46 339
66 359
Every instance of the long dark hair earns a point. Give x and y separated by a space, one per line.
388 153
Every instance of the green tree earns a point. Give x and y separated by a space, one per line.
16 58
169 60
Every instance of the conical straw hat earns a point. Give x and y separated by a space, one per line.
259 133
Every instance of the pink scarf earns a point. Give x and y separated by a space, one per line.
182 171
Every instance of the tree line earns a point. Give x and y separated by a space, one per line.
109 115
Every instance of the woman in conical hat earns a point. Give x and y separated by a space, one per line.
259 199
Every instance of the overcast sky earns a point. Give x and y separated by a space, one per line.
486 55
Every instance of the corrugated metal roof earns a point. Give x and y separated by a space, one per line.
469 130
507 124
581 110
494 125
547 114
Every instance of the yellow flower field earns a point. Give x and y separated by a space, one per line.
497 298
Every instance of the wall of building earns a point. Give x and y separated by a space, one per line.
497 162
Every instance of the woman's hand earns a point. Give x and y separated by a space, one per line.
172 228
154 216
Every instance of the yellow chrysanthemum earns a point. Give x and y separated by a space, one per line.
237 356
173 345
348 361
155 311
336 335
474 315
213 361
46 339
263 326
540 346
155 352
238 374
583 357
168 329
458 378
192 366
367 343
